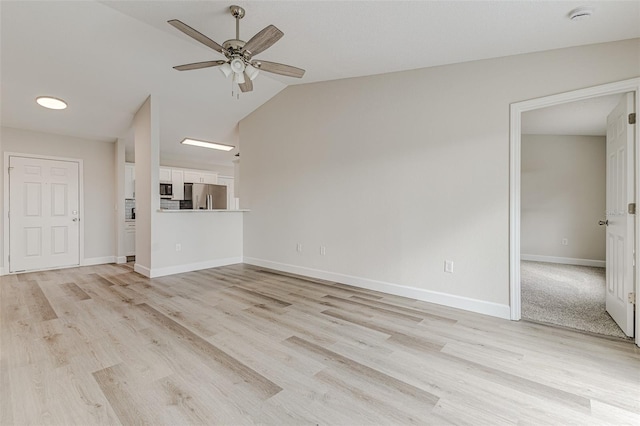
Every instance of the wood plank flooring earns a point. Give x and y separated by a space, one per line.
243 345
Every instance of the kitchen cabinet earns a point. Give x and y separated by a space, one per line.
165 175
130 239
177 180
191 176
129 181
210 178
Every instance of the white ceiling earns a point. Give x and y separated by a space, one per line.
105 58
587 117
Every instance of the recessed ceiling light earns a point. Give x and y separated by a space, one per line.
205 144
580 13
51 103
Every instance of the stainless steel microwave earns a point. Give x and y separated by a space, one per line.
166 190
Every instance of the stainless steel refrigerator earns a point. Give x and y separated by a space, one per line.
206 196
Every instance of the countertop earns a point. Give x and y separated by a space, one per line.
202 211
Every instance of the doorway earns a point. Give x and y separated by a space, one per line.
517 110
44 213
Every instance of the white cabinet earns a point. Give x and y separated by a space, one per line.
209 178
165 175
177 180
130 239
191 176
129 181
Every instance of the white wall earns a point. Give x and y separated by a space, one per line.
563 195
397 173
146 131
207 240
99 183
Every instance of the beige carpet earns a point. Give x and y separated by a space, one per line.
566 295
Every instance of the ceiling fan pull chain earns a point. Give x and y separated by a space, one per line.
235 93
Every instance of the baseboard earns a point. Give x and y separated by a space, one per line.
98 260
89 261
563 260
142 270
179 269
121 259
453 301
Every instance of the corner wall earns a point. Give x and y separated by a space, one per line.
394 174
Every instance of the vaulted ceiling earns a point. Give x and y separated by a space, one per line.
104 58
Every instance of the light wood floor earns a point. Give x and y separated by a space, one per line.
241 345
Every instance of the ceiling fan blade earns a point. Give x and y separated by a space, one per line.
196 35
198 65
277 68
263 40
247 86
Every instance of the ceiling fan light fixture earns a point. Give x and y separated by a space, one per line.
226 69
237 65
239 54
51 103
205 144
252 72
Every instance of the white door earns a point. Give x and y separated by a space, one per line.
620 224
44 215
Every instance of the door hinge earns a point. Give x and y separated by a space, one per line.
632 298
631 208
632 118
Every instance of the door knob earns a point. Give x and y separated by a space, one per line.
75 219
603 222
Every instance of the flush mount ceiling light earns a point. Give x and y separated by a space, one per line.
51 103
580 13
204 144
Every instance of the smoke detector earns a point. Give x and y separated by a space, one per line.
580 13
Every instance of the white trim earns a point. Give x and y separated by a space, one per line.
179 269
5 207
98 260
142 270
121 259
451 300
515 133
2 271
563 260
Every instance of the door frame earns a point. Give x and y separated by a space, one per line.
5 207
515 142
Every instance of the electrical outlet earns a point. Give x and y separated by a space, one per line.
178 247
323 250
299 248
565 241
448 266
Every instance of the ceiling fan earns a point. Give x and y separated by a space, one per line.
239 53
